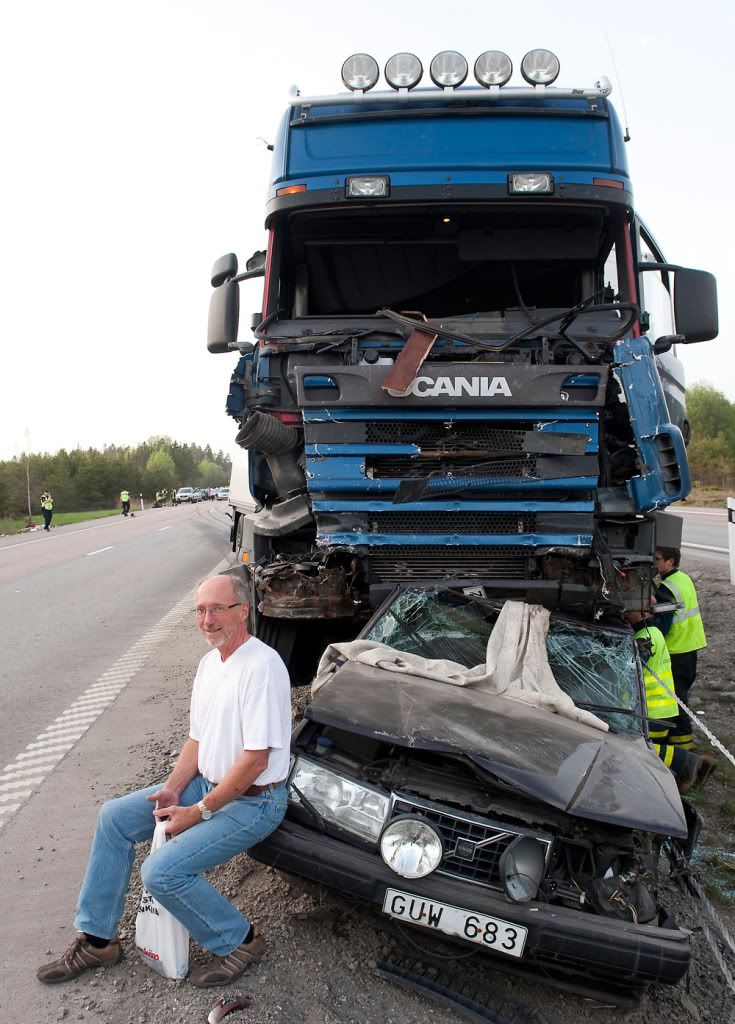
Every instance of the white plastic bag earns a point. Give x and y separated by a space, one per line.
162 941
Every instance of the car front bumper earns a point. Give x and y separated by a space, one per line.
581 951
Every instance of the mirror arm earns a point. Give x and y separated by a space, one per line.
673 267
247 275
664 343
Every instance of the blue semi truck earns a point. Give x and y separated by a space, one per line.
463 388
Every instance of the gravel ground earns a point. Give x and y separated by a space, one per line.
322 952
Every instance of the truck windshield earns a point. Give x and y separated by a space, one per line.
476 261
595 666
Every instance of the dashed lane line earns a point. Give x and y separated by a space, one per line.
705 547
112 521
27 771
100 550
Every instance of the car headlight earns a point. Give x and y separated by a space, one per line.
357 808
411 847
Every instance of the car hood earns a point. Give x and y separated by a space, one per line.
615 778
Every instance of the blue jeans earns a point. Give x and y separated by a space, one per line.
173 874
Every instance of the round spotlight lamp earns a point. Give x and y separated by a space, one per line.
493 67
411 847
448 69
360 72
540 67
403 71
522 868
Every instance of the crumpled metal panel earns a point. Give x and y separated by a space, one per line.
304 589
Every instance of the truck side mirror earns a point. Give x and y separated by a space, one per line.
255 263
224 317
695 305
223 269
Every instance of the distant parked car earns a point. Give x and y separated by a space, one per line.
223 493
186 494
199 494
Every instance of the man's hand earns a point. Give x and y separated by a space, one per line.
179 818
165 796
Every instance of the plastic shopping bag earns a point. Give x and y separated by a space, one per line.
162 941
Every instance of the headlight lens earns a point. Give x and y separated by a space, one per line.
535 181
403 71
360 71
356 808
411 847
540 67
448 69
374 186
522 868
493 67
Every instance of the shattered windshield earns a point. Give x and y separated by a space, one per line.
594 666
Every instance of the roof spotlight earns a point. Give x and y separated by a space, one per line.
540 67
493 67
360 72
448 69
403 71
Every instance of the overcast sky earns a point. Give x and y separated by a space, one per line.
131 162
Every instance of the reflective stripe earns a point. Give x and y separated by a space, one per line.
659 701
687 632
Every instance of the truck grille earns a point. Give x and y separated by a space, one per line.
401 562
464 855
460 434
452 522
402 467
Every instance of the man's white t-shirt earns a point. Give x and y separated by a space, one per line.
242 704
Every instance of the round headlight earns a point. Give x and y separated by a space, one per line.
540 67
411 848
522 868
360 71
448 69
493 67
403 71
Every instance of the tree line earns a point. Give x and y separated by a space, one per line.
712 446
86 479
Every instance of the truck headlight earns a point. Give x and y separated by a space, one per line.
360 71
403 71
411 847
448 69
538 182
493 67
540 67
357 808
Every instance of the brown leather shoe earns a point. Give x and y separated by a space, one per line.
224 969
80 956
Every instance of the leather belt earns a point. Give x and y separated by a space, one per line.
255 790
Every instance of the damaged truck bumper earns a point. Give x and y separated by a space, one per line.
584 953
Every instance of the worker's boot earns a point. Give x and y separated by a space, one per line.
696 771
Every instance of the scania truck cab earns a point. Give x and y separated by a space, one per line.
465 363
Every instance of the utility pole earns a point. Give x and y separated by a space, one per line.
27 433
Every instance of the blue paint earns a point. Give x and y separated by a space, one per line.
526 540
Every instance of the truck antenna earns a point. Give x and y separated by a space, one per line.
626 136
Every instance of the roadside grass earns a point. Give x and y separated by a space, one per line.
715 852
9 526
706 497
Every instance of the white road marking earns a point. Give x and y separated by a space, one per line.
29 769
162 528
100 550
705 547
70 533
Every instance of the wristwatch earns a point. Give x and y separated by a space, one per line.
204 811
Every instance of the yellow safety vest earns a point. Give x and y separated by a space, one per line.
660 703
47 502
125 496
687 632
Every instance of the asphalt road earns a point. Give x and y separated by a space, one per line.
75 600
704 531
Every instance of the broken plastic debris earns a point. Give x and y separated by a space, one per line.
224 1006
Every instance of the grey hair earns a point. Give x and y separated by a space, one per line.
239 585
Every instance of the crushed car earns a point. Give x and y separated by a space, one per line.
524 819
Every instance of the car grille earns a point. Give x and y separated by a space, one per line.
463 857
399 563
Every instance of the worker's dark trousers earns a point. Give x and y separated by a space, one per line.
126 507
47 514
675 758
684 669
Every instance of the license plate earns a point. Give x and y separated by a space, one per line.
491 932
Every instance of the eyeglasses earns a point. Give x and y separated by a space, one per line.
216 609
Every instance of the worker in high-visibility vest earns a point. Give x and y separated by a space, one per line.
47 508
125 499
689 769
684 634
